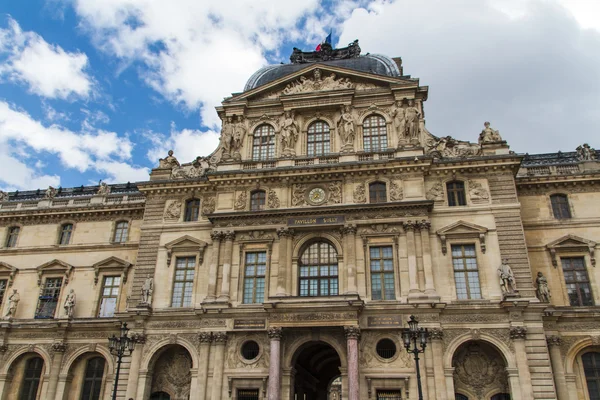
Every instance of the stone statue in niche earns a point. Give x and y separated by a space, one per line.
227 137
70 303
489 135
239 132
289 134
346 129
147 290
13 302
399 115
413 116
169 161
543 293
586 153
507 278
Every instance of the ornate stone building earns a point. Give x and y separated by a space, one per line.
284 265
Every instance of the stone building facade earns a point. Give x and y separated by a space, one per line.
285 264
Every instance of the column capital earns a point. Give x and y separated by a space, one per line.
219 337
216 236
59 347
424 225
352 332
349 229
3 348
518 332
410 225
275 333
205 337
229 235
436 333
285 232
139 338
554 340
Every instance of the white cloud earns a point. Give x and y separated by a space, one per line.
187 144
16 175
46 69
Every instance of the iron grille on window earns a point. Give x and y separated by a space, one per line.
318 139
386 348
48 298
121 230
247 394
560 206
263 145
185 269
65 234
319 270
577 281
3 284
13 234
374 133
591 369
31 379
377 192
466 274
389 395
254 277
250 350
257 200
92 382
456 194
110 294
192 210
382 273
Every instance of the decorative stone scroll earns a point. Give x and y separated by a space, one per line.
448 147
209 204
360 194
299 195
518 332
435 192
396 193
477 193
241 202
335 193
272 199
173 210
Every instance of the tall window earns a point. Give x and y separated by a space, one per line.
318 139
31 379
92 381
577 281
254 277
382 273
257 200
319 270
263 145
591 368
192 210
560 206
456 193
185 269
110 294
121 231
66 231
374 133
13 234
48 298
377 192
3 284
466 275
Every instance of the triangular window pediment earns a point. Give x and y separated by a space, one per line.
462 229
53 267
8 271
112 264
571 243
186 244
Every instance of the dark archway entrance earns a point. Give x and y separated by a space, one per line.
316 364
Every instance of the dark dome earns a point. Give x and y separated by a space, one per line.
372 63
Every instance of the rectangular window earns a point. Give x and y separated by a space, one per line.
254 277
247 394
13 234
185 269
466 274
389 395
65 234
110 294
3 284
382 273
577 281
48 299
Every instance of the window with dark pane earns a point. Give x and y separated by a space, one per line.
3 284
254 277
591 369
458 396
501 396
258 199
92 381
48 299
250 350
121 231
31 379
466 273
389 395
456 193
160 396
560 206
318 268
247 394
263 143
377 192
382 273
192 210
12 236
110 294
185 269
577 281
66 231
318 139
374 133
386 348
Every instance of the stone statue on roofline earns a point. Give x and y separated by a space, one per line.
586 153
169 161
3 196
489 135
103 189
50 193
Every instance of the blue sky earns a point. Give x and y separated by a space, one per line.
94 90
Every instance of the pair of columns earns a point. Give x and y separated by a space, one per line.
217 237
412 228
352 334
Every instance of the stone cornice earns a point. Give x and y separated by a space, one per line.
91 213
68 248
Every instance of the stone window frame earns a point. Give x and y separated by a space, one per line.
184 208
332 136
256 192
253 382
304 247
386 381
569 204
111 266
250 141
385 239
465 192
386 188
185 246
466 271
361 131
482 267
101 294
105 378
579 373
41 378
7 233
60 229
252 246
113 230
390 336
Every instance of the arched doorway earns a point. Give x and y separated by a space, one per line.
316 366
171 375
26 377
479 372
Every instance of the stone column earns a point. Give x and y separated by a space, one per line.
558 370
285 260
449 375
214 265
514 383
436 335
349 232
227 256
427 265
518 335
205 339
134 368
220 340
3 387
58 348
352 336
413 278
274 391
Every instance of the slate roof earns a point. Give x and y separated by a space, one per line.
122 188
559 158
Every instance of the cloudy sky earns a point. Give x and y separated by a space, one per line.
94 90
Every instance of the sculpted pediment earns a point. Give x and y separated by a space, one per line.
571 243
52 267
462 229
186 244
8 271
111 263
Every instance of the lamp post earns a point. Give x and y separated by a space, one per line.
118 346
411 335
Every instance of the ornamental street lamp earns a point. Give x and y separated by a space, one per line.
412 334
118 346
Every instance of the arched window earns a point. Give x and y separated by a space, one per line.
11 237
121 231
31 379
263 145
66 231
591 369
160 396
318 269
257 200
458 396
92 381
192 210
501 396
560 206
456 193
318 139
377 192
374 133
